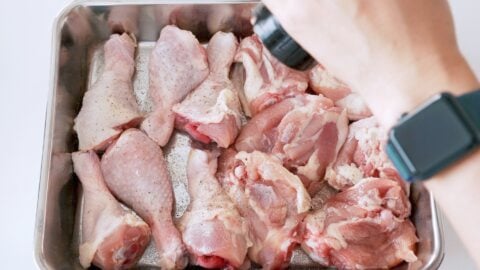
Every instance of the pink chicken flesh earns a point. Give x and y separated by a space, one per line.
363 155
178 64
363 227
136 172
272 200
113 237
306 132
322 82
267 80
213 231
212 112
109 105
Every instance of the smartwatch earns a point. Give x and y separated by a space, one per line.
435 135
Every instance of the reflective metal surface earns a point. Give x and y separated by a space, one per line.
78 34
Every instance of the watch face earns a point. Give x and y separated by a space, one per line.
430 138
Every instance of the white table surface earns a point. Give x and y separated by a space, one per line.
25 40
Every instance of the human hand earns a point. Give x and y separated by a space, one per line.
395 53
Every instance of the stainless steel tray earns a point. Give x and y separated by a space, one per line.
79 31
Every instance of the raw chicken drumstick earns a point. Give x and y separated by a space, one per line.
113 237
136 172
213 231
212 111
178 64
109 106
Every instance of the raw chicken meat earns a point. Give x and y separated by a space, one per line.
178 64
362 155
322 82
212 112
306 132
109 105
124 19
113 237
272 200
363 227
213 231
267 80
136 173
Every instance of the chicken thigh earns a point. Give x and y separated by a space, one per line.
322 82
363 227
267 80
109 106
362 155
213 231
136 172
178 64
212 111
271 199
113 237
306 132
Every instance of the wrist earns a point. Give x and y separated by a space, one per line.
402 90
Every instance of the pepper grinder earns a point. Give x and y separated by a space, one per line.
278 41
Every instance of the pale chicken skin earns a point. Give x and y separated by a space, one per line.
306 132
213 231
364 227
136 172
267 81
212 112
323 82
113 237
109 105
363 155
178 64
272 200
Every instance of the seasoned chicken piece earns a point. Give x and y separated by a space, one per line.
267 80
136 173
109 105
363 155
306 132
212 112
178 64
215 234
113 237
322 82
272 200
124 19
363 227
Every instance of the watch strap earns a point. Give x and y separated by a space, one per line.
470 103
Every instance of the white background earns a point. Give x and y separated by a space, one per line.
25 41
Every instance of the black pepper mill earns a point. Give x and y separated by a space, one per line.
278 42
